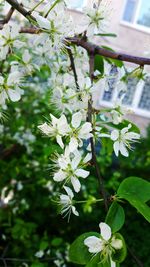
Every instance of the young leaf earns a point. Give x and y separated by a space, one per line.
78 252
115 217
95 261
137 192
99 64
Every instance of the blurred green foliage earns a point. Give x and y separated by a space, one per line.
31 232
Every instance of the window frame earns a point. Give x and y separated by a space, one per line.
136 100
134 23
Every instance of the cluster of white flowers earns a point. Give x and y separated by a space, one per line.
75 131
70 94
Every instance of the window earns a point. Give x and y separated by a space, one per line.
137 96
76 4
137 12
144 102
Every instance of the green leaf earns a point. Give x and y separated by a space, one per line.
137 192
118 63
119 255
78 252
99 63
95 261
43 245
115 217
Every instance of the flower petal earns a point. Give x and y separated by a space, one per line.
87 158
123 150
73 145
14 95
76 120
76 184
85 130
94 244
82 173
74 211
69 191
116 243
45 128
59 176
59 141
43 22
75 162
116 147
105 231
114 135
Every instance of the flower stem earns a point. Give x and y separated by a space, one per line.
85 201
55 3
36 6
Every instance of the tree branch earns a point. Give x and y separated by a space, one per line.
94 159
8 16
97 50
20 9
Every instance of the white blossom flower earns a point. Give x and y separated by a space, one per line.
9 87
119 111
104 244
123 139
79 132
57 128
26 58
70 168
39 254
56 27
66 202
5 196
8 36
96 13
76 131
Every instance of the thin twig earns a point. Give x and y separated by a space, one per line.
8 16
73 68
139 263
94 159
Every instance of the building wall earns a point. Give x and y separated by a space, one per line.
129 38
